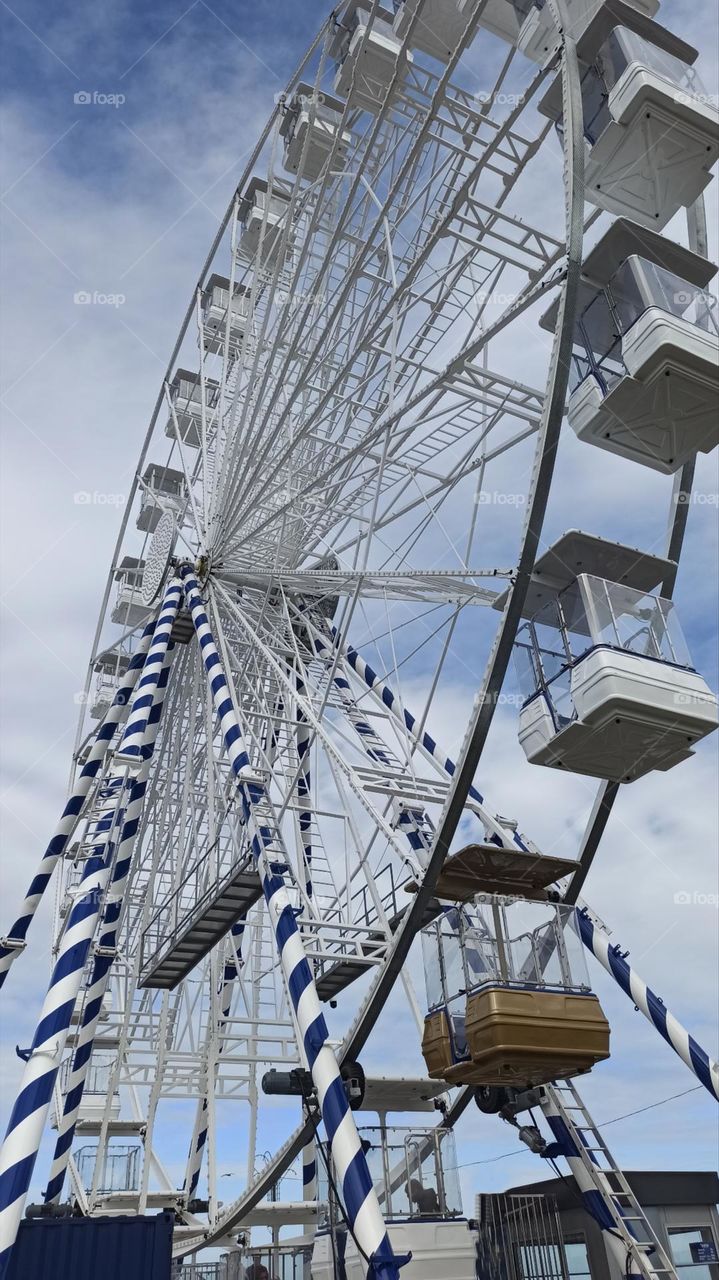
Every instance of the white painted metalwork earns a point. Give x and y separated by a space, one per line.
361 458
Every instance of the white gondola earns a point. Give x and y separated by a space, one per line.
538 37
367 60
186 396
129 607
439 25
263 216
102 697
651 131
415 1175
95 1091
311 130
119 1170
442 23
215 308
502 17
608 682
163 489
109 667
646 350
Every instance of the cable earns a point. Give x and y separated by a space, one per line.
493 1159
602 1124
651 1105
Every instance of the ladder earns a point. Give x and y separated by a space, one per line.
630 1231
324 888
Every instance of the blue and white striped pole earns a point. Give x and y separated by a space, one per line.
361 1204
410 822
12 944
304 802
200 1127
415 825
230 972
389 700
304 785
656 1012
593 1200
309 1171
130 752
102 966
196 1153
374 746
27 1120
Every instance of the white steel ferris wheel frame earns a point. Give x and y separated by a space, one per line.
226 565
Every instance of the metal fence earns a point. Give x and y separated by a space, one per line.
265 1262
519 1238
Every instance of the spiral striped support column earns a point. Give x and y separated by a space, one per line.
232 966
411 822
12 944
304 783
416 826
196 1153
373 744
304 794
309 1170
594 1202
389 700
198 1141
361 1204
655 1011
131 748
107 943
27 1120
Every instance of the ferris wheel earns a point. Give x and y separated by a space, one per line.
336 518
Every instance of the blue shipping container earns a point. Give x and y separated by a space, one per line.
122 1248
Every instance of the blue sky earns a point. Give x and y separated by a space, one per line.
124 199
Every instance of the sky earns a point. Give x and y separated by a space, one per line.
118 197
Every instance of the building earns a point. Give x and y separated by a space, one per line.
681 1207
